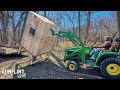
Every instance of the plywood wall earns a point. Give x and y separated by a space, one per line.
41 42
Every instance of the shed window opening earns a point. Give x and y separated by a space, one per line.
32 32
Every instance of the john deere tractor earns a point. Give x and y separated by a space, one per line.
108 61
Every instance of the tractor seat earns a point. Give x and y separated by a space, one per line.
110 49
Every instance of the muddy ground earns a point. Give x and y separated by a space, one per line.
53 68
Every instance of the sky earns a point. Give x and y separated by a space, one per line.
97 15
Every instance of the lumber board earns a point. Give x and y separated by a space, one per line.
6 50
47 44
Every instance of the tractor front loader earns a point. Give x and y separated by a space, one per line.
107 61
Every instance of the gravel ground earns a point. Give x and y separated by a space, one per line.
54 68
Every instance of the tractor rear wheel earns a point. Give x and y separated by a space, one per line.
73 66
110 68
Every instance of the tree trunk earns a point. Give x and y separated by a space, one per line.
16 27
5 22
44 13
118 19
14 37
79 24
88 26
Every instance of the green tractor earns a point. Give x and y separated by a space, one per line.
108 61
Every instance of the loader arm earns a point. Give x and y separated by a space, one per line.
75 41
69 35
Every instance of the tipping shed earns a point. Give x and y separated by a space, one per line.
36 37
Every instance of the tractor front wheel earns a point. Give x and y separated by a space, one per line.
73 66
110 68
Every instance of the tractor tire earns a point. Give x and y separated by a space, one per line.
110 68
73 66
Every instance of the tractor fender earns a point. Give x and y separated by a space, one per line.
103 57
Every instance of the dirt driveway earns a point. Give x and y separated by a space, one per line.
54 68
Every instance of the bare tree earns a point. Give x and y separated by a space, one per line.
118 19
79 24
71 18
16 25
5 22
88 14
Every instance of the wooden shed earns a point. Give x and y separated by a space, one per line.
37 38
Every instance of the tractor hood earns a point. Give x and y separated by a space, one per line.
75 49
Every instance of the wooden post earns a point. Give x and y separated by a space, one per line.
19 49
33 60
